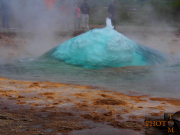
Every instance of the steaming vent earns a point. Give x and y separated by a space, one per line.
109 24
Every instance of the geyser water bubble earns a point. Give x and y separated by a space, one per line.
104 48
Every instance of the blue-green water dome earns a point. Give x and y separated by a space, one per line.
103 48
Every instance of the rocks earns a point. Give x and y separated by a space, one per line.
65 125
3 117
98 117
62 108
153 131
26 118
109 102
20 96
168 100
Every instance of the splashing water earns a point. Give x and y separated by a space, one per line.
103 48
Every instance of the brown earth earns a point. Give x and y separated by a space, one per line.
33 107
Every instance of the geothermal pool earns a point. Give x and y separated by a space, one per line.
160 80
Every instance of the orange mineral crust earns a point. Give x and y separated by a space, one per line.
31 107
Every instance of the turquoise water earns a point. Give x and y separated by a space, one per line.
105 48
103 65
158 80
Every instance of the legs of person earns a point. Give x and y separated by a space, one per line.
114 22
87 22
4 18
7 20
78 21
62 21
75 22
110 17
83 21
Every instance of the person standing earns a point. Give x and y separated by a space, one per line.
112 13
5 9
77 15
85 15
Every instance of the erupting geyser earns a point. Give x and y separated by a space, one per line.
103 48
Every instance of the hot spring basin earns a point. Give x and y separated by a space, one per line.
104 48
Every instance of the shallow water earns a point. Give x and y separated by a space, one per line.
158 80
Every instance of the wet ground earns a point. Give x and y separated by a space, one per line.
54 108
44 107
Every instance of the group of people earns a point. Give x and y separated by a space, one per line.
79 12
83 12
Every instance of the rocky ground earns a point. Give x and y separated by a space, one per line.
40 108
52 108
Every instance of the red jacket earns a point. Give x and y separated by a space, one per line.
77 12
50 4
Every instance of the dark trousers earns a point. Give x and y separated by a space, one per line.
5 18
77 22
113 21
